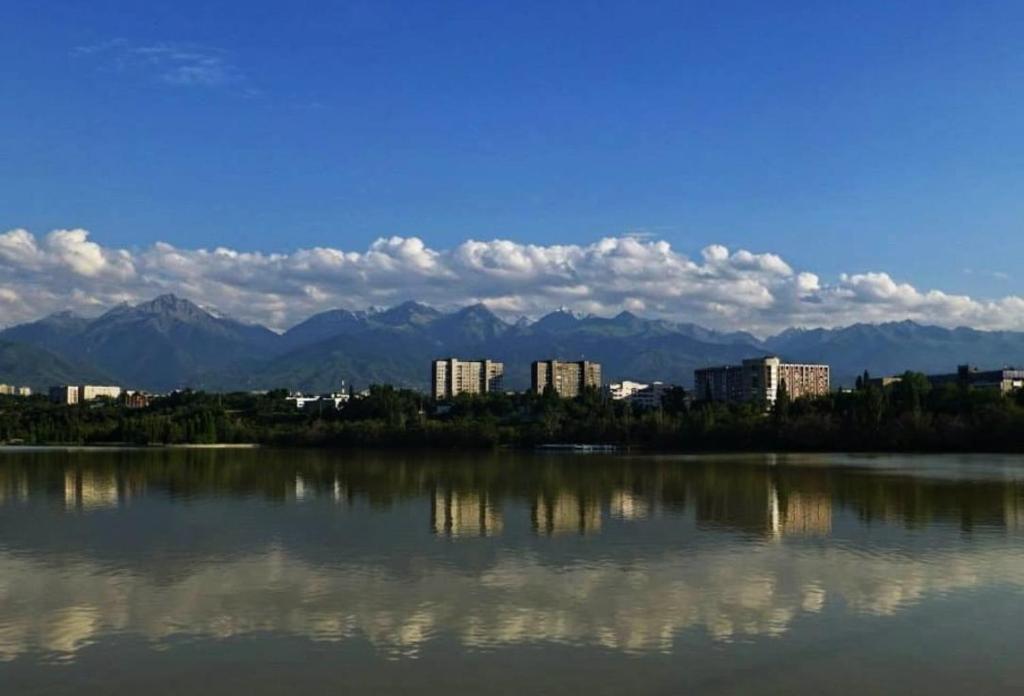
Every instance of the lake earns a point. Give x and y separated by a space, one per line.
262 571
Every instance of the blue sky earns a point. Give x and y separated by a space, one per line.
846 137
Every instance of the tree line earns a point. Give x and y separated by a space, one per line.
909 415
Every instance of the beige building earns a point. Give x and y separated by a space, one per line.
568 379
450 377
758 380
11 390
71 394
89 392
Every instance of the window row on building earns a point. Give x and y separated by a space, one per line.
759 379
450 377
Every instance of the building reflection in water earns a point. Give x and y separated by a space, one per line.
800 513
14 488
94 490
565 513
767 508
459 514
627 505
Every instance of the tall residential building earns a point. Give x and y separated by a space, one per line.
568 379
450 377
723 383
758 379
64 394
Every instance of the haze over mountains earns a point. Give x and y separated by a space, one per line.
170 343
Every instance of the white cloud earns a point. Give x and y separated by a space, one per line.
174 63
728 289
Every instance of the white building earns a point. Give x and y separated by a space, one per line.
333 400
651 395
637 393
617 391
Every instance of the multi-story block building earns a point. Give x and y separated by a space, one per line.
722 383
450 377
90 392
11 390
568 379
1005 380
70 394
758 380
64 394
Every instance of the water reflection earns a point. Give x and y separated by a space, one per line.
624 554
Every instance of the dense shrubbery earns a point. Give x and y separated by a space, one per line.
906 416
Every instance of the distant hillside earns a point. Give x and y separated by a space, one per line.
32 366
163 344
170 342
895 347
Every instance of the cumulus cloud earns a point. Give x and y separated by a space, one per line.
721 288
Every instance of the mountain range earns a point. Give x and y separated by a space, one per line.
171 343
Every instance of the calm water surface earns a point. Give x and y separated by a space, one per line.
305 572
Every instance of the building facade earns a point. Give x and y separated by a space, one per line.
11 390
1005 380
618 391
90 392
69 394
721 383
64 394
450 377
638 394
568 379
758 380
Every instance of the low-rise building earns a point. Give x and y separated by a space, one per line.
135 399
568 379
1005 380
638 394
617 391
11 390
90 392
651 395
758 380
334 400
450 377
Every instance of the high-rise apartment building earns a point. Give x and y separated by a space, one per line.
450 377
568 379
64 394
758 380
